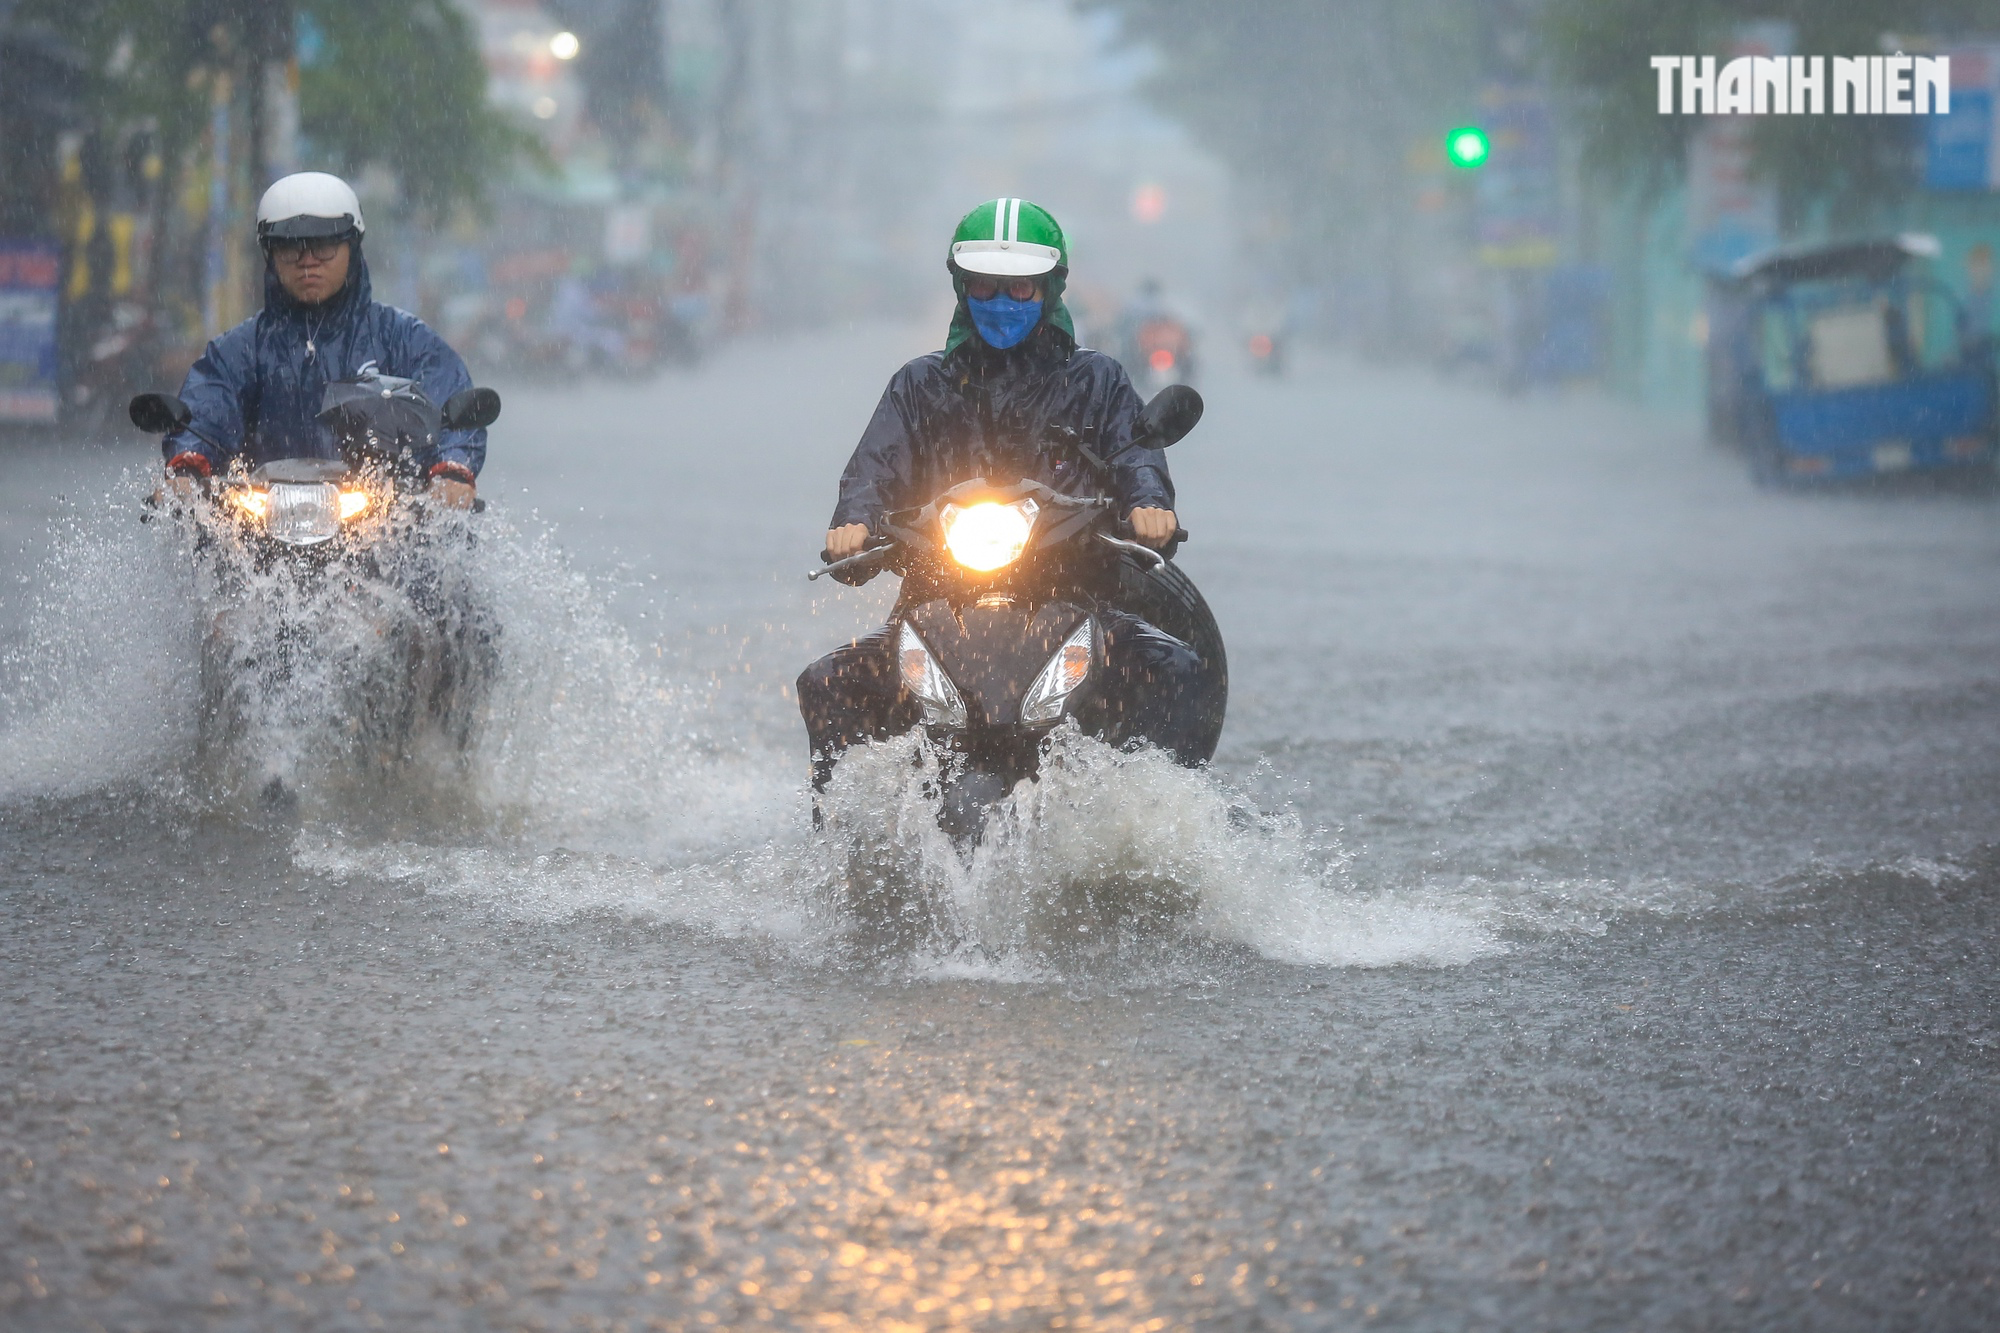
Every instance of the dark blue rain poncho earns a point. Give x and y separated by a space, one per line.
972 411
256 391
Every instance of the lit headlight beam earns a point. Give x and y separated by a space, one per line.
254 503
989 535
303 513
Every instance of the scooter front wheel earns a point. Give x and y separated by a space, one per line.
967 797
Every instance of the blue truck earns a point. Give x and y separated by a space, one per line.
1848 360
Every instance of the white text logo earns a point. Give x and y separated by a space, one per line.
1800 86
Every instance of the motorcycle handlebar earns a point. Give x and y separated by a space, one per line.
1139 549
1180 534
854 563
1124 530
883 548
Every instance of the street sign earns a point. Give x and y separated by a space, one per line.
1962 148
28 275
1518 197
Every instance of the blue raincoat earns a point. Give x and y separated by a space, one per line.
256 390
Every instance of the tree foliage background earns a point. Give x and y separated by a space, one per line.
401 86
395 85
399 83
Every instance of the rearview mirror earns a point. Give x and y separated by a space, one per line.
471 409
158 413
1172 414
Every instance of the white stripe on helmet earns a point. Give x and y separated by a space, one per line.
1010 258
1014 220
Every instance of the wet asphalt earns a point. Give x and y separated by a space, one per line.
1716 770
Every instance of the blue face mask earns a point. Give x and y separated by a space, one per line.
1003 321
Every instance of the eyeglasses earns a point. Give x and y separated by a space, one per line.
981 287
321 248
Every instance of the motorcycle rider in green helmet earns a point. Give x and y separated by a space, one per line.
1010 372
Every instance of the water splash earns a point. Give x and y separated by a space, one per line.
462 680
572 737
1109 851
1105 843
755 893
100 687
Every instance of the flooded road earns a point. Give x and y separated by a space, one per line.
1590 922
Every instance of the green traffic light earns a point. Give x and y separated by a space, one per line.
1467 147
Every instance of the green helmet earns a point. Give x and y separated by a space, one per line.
1008 238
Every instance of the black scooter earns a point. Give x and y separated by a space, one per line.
293 539
997 637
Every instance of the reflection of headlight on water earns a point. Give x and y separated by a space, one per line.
988 535
353 504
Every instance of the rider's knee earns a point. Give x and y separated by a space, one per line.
818 688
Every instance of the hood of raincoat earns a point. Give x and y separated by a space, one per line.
257 390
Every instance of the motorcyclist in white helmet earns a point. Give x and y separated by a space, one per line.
256 392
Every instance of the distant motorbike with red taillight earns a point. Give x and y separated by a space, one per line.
1162 352
1267 353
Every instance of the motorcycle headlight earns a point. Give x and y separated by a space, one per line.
988 535
302 514
250 503
925 679
1059 679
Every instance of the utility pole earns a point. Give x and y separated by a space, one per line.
736 178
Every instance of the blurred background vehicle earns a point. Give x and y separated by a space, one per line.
1155 343
1848 360
1267 353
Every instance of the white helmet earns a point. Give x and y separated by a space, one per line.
309 204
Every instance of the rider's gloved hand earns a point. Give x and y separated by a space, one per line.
845 541
1154 527
182 484
453 485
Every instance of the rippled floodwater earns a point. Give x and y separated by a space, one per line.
1591 921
